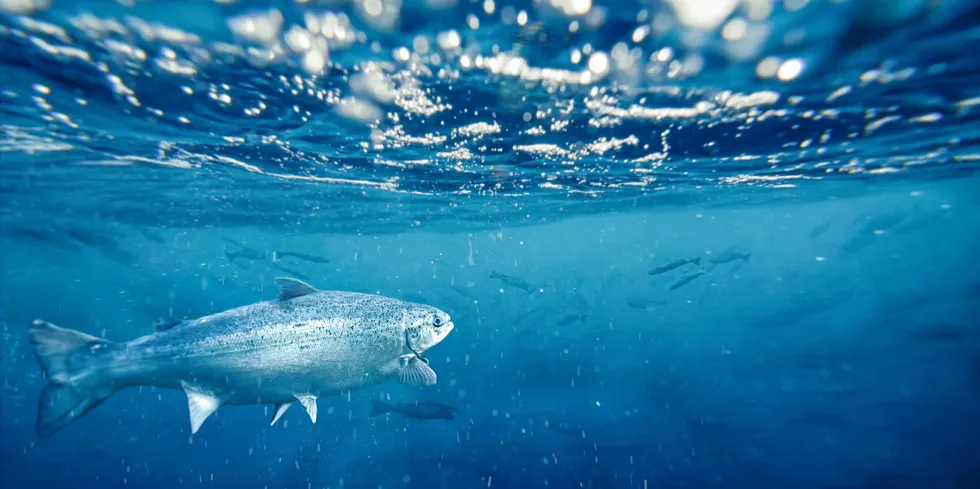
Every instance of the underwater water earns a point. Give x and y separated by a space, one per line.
684 244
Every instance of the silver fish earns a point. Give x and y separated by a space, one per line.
304 345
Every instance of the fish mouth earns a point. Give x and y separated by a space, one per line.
446 329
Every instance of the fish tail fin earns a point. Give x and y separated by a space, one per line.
697 261
746 257
378 408
78 380
231 256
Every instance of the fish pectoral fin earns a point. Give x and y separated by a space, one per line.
290 288
280 410
200 405
417 373
309 402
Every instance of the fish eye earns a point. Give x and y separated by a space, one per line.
437 321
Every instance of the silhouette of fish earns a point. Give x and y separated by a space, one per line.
871 229
687 279
570 318
513 282
245 253
45 237
821 229
461 291
674 265
104 244
302 256
645 304
729 256
292 272
417 410
90 238
942 332
152 236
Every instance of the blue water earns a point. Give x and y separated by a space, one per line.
168 159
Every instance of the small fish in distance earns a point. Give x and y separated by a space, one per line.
687 279
303 256
729 256
674 265
513 282
246 253
416 410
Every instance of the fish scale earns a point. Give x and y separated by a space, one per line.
269 324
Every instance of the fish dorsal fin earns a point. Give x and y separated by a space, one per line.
290 288
200 405
309 402
163 324
280 410
416 372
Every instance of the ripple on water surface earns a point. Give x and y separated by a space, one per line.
440 108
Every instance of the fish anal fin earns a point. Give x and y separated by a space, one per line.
416 372
309 402
281 409
290 288
200 405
